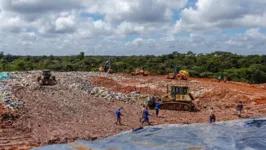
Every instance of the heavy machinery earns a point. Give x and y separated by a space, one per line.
106 67
141 71
46 78
177 98
178 74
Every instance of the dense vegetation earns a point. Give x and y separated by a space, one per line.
235 67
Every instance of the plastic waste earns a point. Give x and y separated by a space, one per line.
4 76
232 135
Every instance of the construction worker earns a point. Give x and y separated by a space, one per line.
219 78
149 101
142 111
146 116
225 79
157 108
212 116
118 116
239 109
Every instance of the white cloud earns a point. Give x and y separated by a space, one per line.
136 11
64 24
252 40
128 27
214 15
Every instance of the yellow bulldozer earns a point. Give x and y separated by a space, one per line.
106 67
177 98
46 78
141 71
178 74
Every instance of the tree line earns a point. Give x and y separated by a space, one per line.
250 68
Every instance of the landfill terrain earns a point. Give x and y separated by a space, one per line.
230 135
82 105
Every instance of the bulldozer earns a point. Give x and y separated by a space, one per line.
141 71
178 74
46 78
106 67
177 98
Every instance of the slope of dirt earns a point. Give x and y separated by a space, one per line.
66 112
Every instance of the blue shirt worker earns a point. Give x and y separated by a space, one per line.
157 108
239 109
118 116
146 116
212 116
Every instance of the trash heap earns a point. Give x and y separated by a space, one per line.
4 76
111 95
7 100
71 81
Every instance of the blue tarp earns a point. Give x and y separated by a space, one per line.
232 135
4 76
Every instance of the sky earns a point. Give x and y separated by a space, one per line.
132 27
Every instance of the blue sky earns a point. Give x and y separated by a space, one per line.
122 27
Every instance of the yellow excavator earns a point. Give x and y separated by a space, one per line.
177 98
141 71
46 78
106 67
178 74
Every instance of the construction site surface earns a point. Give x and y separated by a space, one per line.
82 105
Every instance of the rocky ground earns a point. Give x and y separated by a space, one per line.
32 115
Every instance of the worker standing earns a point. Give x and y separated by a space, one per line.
239 109
212 116
149 101
142 113
157 104
146 116
219 78
118 116
225 79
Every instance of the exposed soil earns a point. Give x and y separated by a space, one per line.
65 112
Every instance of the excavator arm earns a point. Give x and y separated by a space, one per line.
106 65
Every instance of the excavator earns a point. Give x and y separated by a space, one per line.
178 74
141 71
106 67
177 98
46 78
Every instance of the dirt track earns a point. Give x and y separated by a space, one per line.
59 114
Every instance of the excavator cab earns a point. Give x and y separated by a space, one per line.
180 93
46 78
46 74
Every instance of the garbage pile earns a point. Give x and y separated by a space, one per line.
103 92
7 100
4 76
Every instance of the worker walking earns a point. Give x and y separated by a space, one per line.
118 116
239 109
146 116
212 116
157 104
